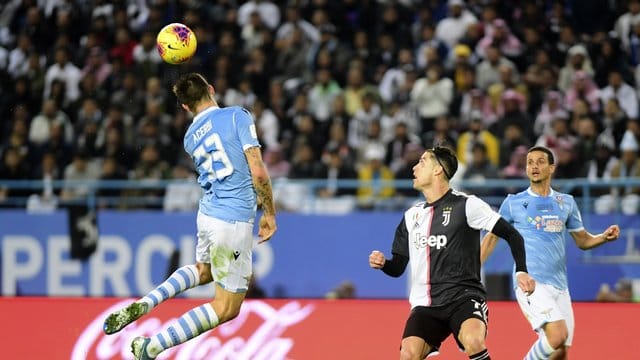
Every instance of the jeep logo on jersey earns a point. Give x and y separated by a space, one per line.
437 241
446 214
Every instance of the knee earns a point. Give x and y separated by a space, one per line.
560 353
225 312
204 273
473 343
557 338
409 354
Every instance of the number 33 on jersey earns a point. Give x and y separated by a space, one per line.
216 141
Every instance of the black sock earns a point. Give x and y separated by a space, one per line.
482 355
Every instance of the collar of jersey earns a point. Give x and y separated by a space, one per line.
530 192
426 204
204 112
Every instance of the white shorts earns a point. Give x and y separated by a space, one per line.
228 248
547 304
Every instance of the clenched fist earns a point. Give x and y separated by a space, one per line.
376 259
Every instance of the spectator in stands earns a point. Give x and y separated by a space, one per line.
396 147
516 169
268 11
39 130
303 163
397 113
552 108
276 162
432 95
147 60
129 96
376 181
614 119
624 24
460 61
123 47
487 72
97 65
395 77
79 176
109 197
559 135
502 36
182 194
475 103
322 96
477 133
333 169
428 39
513 113
13 167
453 27
622 292
266 124
587 136
578 61
360 124
479 170
623 92
337 141
47 199
611 57
67 72
443 134
410 158
346 290
599 168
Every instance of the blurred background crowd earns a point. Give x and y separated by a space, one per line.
352 89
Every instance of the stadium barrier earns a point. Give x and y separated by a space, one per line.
309 256
299 192
71 328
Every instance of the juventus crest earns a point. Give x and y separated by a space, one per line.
446 214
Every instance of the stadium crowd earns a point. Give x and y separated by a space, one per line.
352 89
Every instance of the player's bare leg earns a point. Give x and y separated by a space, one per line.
472 336
557 333
414 348
225 306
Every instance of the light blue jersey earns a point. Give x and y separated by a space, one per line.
543 222
216 141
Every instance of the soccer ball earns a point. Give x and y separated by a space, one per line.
176 43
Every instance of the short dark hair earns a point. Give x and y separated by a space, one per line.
544 150
190 89
446 158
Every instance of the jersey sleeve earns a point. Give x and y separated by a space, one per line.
401 240
574 220
246 128
480 216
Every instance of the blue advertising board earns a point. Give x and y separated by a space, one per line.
309 256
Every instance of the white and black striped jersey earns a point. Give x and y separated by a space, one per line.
442 242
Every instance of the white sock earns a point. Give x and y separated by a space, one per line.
540 350
191 324
182 279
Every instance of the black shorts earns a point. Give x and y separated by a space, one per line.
434 325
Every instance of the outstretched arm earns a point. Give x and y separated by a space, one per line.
585 240
262 186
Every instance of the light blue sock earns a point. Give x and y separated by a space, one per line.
540 350
191 324
182 279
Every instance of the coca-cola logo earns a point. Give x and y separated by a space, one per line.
233 340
